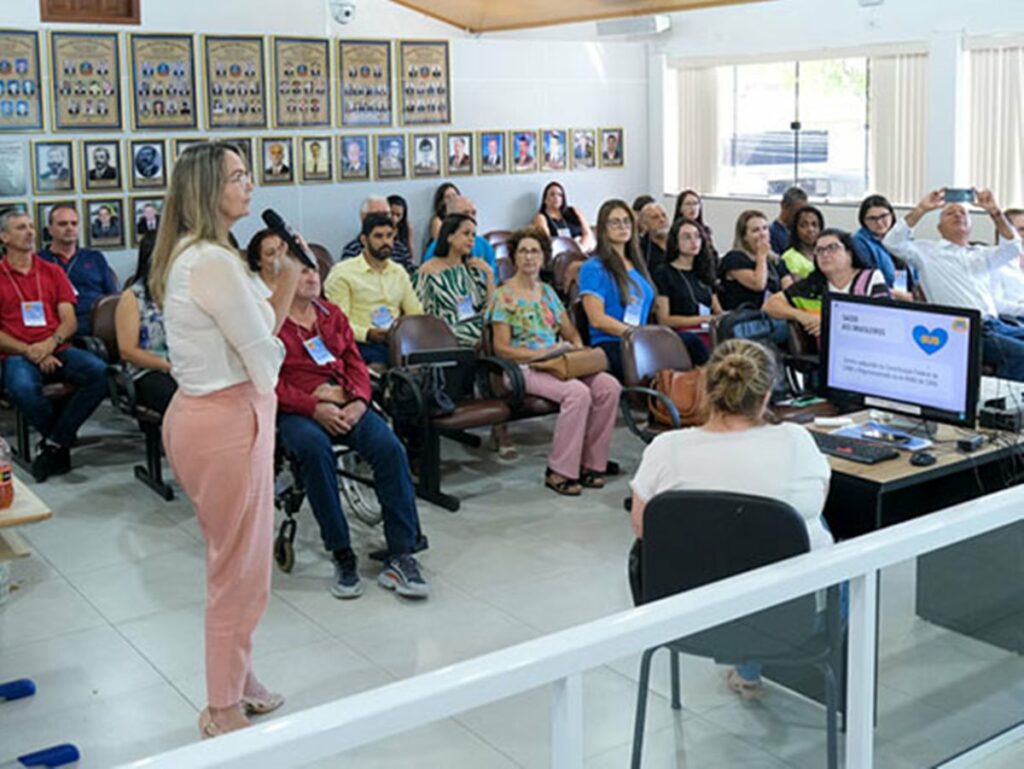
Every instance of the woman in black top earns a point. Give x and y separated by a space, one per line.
689 205
685 284
751 270
557 218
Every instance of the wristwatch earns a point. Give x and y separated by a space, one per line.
58 339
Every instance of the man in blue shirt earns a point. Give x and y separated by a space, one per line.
792 201
87 269
481 248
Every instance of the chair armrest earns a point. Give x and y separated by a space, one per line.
647 392
502 368
121 388
92 344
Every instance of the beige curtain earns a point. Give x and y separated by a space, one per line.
698 129
897 119
997 123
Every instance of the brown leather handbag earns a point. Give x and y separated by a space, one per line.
686 390
573 364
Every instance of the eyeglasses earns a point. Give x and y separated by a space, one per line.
831 248
624 223
877 219
529 252
240 177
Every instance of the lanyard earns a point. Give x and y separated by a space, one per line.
21 297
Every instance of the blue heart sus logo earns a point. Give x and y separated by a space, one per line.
930 341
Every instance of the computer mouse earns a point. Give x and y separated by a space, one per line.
922 459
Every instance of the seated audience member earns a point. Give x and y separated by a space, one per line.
558 219
685 286
454 285
955 273
792 201
877 217
445 192
482 249
87 269
615 286
638 204
141 339
799 257
780 461
751 269
403 228
528 320
654 241
372 290
1008 280
375 204
263 255
37 317
690 206
837 270
324 399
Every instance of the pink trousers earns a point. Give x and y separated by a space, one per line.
586 419
221 448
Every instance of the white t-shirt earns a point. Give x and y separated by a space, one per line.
777 461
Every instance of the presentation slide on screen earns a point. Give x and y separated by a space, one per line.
900 354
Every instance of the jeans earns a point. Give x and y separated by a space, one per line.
376 443
58 423
613 350
373 352
1002 345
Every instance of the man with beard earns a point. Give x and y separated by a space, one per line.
371 289
655 223
376 204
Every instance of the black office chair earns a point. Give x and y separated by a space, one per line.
693 538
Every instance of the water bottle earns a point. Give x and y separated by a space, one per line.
6 476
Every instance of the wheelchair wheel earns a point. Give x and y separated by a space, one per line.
359 498
284 549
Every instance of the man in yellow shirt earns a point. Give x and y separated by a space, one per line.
372 290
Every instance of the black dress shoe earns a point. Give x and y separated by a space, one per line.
51 460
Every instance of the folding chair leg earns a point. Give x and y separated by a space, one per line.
674 666
641 706
23 447
428 486
152 474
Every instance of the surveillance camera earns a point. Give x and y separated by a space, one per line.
342 11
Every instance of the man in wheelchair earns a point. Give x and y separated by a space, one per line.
323 398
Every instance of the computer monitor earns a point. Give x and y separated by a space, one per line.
921 361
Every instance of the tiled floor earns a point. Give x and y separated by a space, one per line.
107 619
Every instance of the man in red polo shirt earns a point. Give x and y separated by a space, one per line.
323 398
37 316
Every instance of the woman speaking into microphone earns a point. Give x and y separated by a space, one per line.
219 428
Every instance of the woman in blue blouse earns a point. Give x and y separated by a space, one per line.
616 290
876 218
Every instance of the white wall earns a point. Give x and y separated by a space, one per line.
502 82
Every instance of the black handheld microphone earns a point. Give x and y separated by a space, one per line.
287 234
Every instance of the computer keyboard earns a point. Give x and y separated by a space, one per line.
854 449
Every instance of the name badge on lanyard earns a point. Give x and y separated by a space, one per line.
32 314
318 351
633 311
703 309
465 308
381 318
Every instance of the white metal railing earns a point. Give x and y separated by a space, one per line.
560 659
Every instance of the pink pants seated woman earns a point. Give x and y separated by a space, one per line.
583 432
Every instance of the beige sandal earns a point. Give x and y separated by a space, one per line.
748 690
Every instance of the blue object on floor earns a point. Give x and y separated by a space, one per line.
15 690
57 755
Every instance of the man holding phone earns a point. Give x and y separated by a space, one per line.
953 272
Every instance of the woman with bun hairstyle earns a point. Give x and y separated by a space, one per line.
737 450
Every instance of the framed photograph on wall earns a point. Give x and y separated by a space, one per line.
426 154
523 158
364 83
145 212
458 156
236 82
354 157
317 159
149 164
584 144
554 150
101 165
42 218
492 152
389 151
180 145
104 222
424 82
163 81
302 97
277 166
613 151
21 97
53 167
85 80
14 167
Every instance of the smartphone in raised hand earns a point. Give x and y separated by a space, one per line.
959 195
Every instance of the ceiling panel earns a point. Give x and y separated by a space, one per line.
493 15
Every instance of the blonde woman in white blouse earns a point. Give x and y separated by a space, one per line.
219 428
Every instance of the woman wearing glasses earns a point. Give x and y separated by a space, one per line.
616 290
838 270
529 321
219 427
876 218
